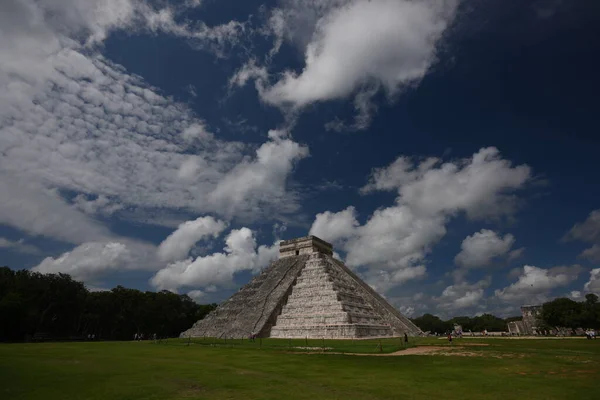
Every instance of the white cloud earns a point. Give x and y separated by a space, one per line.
100 205
218 269
254 183
592 253
429 194
389 42
90 261
575 294
353 48
74 122
19 246
463 295
382 280
196 295
32 208
249 71
481 248
534 284
593 285
86 261
335 226
179 243
481 186
588 231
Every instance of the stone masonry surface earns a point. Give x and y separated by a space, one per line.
306 293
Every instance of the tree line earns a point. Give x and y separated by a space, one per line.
566 313
434 324
55 306
555 314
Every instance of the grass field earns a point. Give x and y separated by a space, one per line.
272 369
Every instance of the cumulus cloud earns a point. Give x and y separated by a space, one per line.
534 284
33 208
481 248
342 56
335 226
179 243
482 186
588 231
463 295
196 295
429 194
19 246
90 261
382 280
593 285
73 122
239 254
101 205
86 261
254 183
352 48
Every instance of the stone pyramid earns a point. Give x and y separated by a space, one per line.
306 293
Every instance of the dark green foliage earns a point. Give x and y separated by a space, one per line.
60 308
563 312
558 313
512 319
433 324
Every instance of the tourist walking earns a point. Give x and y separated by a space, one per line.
405 338
450 338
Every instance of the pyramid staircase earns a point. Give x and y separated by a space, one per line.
326 302
305 293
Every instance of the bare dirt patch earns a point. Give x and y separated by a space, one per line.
458 351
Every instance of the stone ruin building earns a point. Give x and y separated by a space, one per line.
305 293
528 326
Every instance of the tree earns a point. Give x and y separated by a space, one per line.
432 323
488 322
562 312
58 306
512 319
590 313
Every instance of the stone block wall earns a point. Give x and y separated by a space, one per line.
249 310
306 295
324 305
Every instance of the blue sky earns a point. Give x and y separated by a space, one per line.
448 149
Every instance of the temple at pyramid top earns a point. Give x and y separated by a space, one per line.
304 245
305 293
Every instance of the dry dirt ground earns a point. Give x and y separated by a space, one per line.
430 350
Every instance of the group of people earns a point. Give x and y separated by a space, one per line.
590 334
140 336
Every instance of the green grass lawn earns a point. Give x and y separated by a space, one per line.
204 369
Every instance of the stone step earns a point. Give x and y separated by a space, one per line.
333 331
313 320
